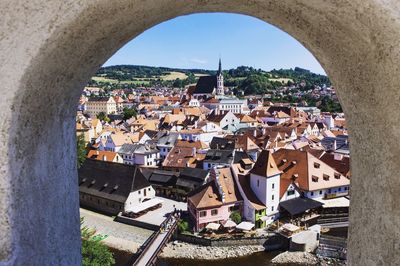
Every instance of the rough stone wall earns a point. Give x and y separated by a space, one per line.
49 49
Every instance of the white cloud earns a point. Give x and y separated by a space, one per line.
198 61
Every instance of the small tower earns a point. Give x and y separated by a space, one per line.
220 80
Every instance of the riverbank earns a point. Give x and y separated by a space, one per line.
119 236
304 259
181 250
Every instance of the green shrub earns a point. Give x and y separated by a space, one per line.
183 226
236 217
94 252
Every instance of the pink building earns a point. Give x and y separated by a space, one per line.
216 200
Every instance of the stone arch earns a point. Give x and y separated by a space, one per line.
49 49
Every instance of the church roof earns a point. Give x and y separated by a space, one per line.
206 84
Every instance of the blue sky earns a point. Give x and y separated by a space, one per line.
196 41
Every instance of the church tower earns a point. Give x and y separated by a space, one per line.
220 80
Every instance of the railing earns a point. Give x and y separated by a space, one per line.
147 244
333 220
164 241
332 247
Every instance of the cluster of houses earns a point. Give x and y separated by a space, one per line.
218 153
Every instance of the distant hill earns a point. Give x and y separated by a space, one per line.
246 79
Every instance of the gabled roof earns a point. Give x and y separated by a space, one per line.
180 157
161 177
169 139
138 149
206 85
228 185
221 190
102 155
191 144
307 171
222 143
243 142
99 99
342 165
194 173
265 165
299 205
219 156
113 181
213 117
286 109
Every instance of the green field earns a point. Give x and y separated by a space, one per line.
174 75
284 80
114 81
170 76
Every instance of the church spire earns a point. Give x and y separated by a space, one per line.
220 79
219 67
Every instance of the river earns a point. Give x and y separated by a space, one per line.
259 258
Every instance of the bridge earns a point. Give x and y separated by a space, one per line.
149 251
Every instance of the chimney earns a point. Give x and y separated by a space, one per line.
255 133
264 130
338 157
104 158
97 152
334 146
194 151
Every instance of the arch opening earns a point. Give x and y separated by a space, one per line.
126 75
54 61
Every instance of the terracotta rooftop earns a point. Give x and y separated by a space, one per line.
265 165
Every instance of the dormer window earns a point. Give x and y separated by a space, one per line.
326 177
317 165
337 175
314 178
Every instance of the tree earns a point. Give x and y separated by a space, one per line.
236 217
128 113
183 226
94 252
81 149
101 116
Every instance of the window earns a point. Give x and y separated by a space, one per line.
316 165
314 178
337 175
273 197
273 185
320 192
202 213
139 192
214 212
326 177
312 193
290 192
272 208
340 189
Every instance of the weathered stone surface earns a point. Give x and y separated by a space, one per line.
49 49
